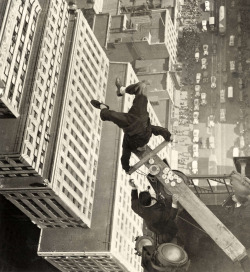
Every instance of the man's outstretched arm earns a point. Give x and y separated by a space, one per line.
126 154
164 132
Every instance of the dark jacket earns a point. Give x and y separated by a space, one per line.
159 217
132 141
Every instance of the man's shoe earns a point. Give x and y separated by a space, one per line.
118 85
97 104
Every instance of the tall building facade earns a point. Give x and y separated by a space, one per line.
18 20
109 244
55 142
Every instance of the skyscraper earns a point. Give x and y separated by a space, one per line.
109 243
18 20
55 142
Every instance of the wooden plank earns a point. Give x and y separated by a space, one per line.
199 211
145 156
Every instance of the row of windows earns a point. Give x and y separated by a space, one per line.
71 198
78 153
94 43
73 172
92 87
73 186
83 113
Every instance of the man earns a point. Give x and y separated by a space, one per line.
159 215
135 124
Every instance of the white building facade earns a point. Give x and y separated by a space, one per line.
76 154
17 31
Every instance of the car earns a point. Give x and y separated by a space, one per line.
195 150
197 56
205 49
210 121
214 48
240 83
211 142
213 82
240 70
236 152
194 167
230 92
232 65
203 98
196 104
222 96
197 89
223 115
242 141
231 40
203 63
195 117
196 135
204 25
198 78
242 114
207 6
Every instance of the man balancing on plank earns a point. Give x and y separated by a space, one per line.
135 123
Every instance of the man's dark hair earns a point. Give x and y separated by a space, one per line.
145 198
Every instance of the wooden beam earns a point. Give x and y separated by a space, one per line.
198 210
145 156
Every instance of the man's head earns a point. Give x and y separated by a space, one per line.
145 198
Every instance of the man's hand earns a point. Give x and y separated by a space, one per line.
132 184
175 201
127 172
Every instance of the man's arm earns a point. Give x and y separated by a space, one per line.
126 153
134 196
164 132
174 209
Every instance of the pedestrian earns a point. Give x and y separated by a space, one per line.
135 123
159 215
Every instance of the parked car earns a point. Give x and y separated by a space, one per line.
205 49
196 135
198 78
210 121
230 92
197 56
204 142
242 141
232 65
197 89
203 63
195 150
194 167
231 40
214 48
213 82
203 98
195 117
204 25
196 104
222 96
241 97
240 83
207 6
205 76
240 69
223 115
211 142
236 152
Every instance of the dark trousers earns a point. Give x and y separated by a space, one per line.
138 111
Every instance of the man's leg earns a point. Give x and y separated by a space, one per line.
139 107
121 119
